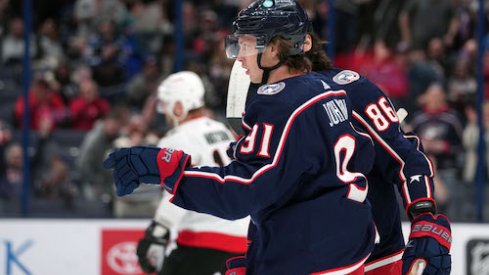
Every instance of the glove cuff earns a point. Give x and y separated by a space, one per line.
234 262
171 164
420 206
425 225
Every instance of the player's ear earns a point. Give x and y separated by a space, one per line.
308 43
273 48
178 110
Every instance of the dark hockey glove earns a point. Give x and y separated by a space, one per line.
152 165
428 248
151 249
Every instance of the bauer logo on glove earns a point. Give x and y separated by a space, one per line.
429 246
440 233
168 154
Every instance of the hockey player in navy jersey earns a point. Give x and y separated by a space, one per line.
298 170
400 162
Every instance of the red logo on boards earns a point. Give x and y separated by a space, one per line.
119 252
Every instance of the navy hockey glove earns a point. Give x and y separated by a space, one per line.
152 165
429 245
151 249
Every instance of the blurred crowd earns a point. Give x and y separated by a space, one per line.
97 63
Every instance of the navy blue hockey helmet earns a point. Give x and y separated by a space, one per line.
265 19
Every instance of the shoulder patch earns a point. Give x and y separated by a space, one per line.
271 89
346 77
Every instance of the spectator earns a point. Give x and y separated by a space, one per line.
469 52
467 17
12 177
96 183
420 75
421 20
462 85
206 42
84 12
56 184
12 47
440 130
471 142
382 66
5 16
320 18
11 180
111 55
135 133
191 26
347 16
147 16
143 84
467 191
87 12
436 55
44 104
50 49
148 23
108 72
88 107
5 139
439 127
52 182
63 77
226 9
81 73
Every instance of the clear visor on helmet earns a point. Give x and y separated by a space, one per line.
244 45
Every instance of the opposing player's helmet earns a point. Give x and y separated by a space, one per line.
266 19
186 87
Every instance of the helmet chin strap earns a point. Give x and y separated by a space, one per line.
267 70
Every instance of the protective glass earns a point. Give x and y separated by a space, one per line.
244 45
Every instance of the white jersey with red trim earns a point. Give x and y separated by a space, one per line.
206 140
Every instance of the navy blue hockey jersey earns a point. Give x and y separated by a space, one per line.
399 160
299 173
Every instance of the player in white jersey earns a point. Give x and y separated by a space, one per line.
204 242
